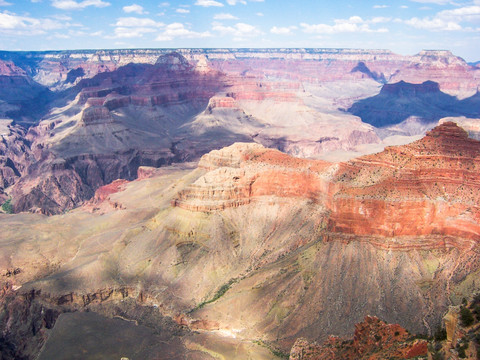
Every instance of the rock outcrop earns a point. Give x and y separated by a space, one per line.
373 339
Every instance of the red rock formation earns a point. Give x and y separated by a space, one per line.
428 188
432 181
373 339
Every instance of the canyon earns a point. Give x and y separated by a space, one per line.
245 246
98 115
235 203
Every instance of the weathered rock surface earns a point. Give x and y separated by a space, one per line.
373 339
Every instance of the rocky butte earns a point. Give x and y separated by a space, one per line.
250 250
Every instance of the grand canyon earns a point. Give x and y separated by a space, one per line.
239 204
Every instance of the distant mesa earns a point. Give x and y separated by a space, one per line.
397 102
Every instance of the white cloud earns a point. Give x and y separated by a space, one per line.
208 3
182 11
137 22
134 8
379 19
164 4
239 31
224 16
468 13
447 20
259 14
4 3
282 30
380 6
130 32
178 30
404 7
234 2
11 23
351 25
74 5
134 27
435 24
36 1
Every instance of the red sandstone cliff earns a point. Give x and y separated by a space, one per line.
427 188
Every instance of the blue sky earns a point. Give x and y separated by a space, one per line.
403 26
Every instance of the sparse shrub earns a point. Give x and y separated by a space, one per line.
440 334
7 206
466 316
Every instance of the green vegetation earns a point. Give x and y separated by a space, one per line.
220 292
7 206
461 349
440 334
276 352
466 316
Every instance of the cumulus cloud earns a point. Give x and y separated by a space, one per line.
134 8
282 30
13 24
239 31
74 5
447 20
208 3
380 6
350 25
224 16
433 24
182 11
178 30
467 13
4 3
131 32
134 27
